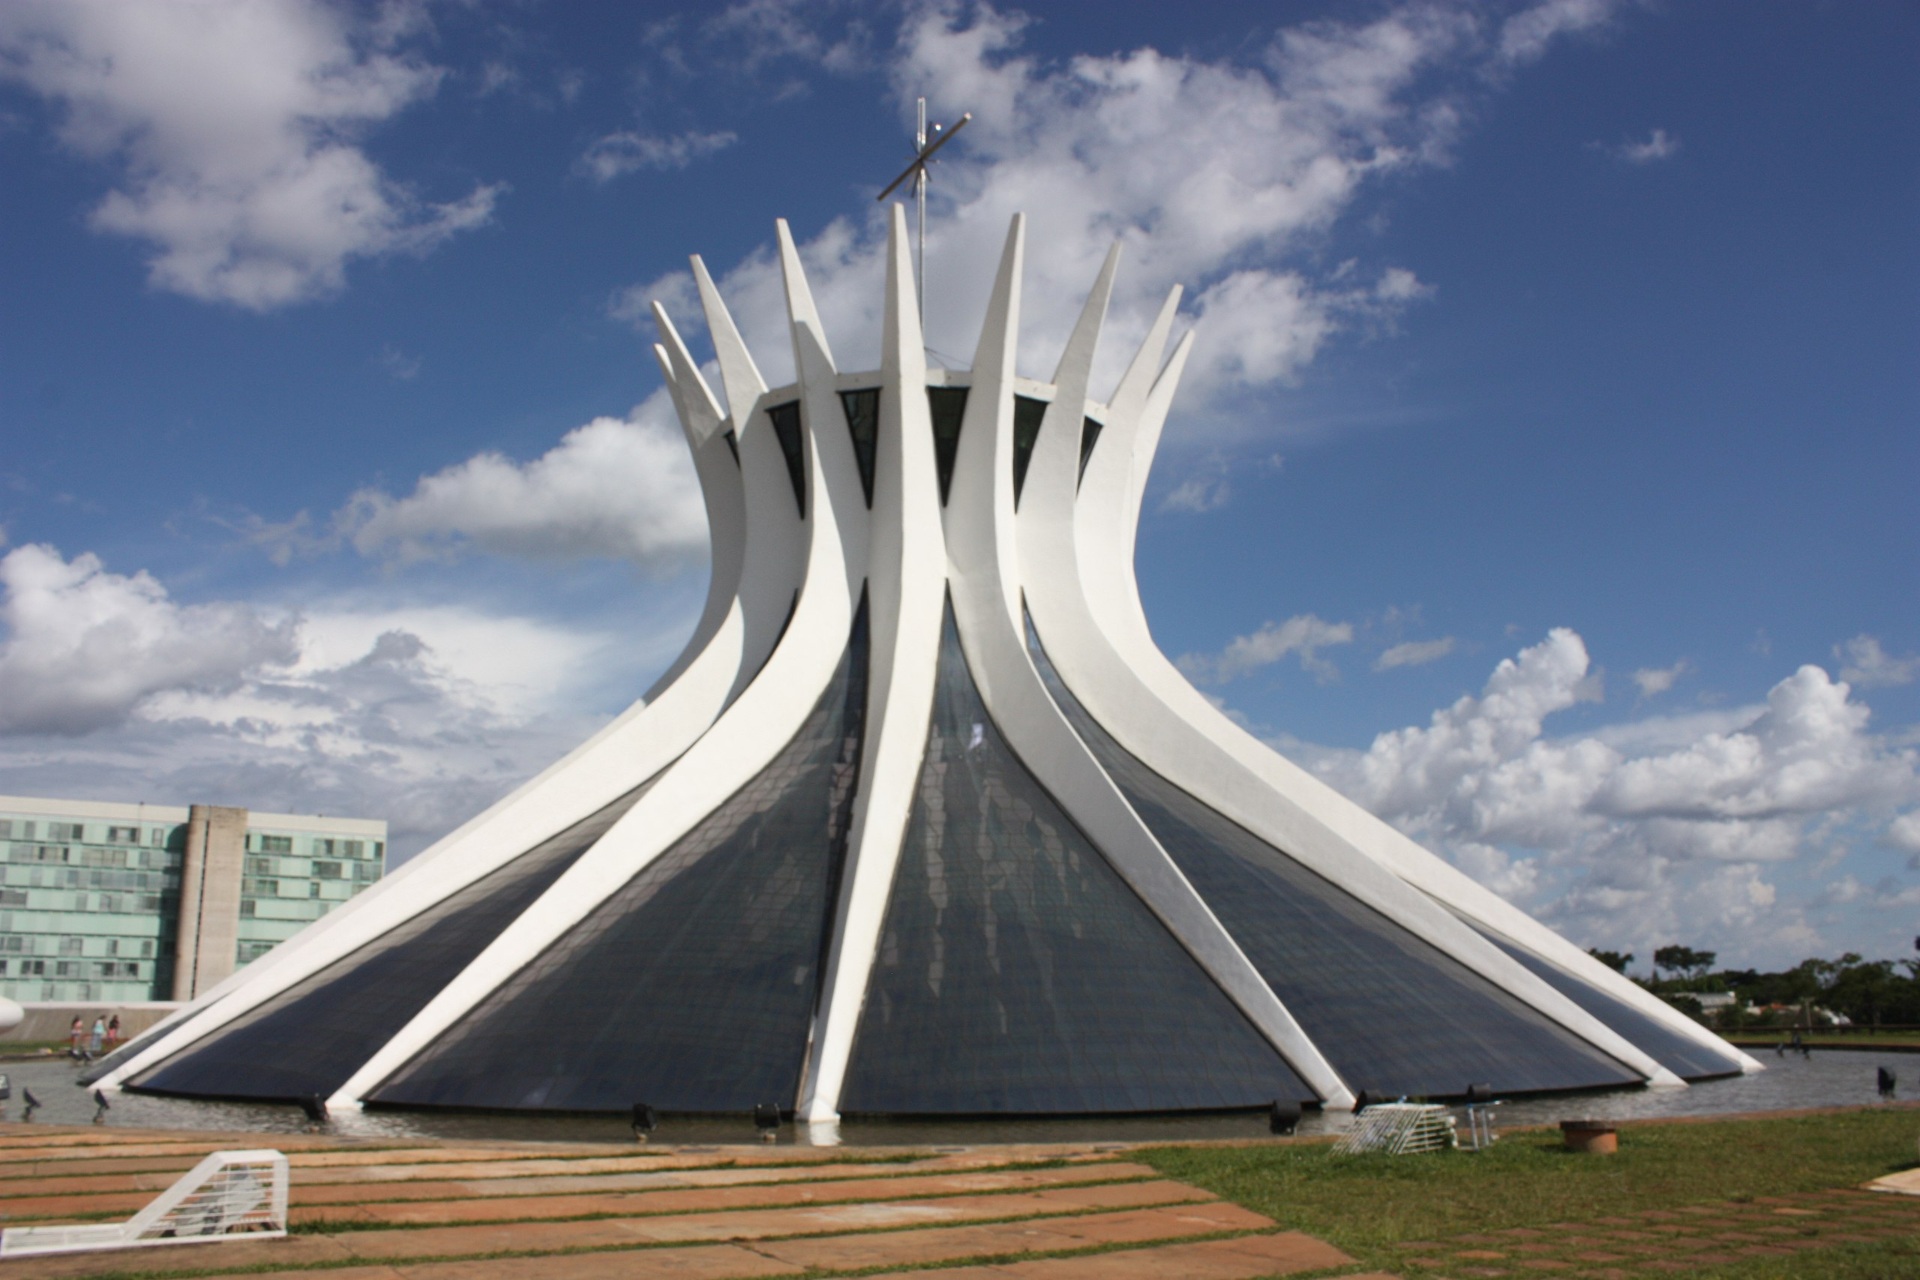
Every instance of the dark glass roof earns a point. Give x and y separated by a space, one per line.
1685 1057
693 986
1392 1013
1018 973
310 1038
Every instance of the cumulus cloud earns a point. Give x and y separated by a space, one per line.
84 647
617 487
1304 635
1654 681
1221 174
419 714
1639 833
234 127
1864 663
1414 653
626 152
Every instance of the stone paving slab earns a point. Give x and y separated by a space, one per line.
748 1224
699 1199
1043 1235
1240 1258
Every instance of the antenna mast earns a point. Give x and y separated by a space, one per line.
923 155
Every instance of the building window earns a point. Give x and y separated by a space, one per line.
276 844
353 848
260 888
246 906
66 969
66 831
260 866
123 835
146 947
313 888
13 897
327 870
72 946
6 828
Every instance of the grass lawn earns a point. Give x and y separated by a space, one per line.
1374 1206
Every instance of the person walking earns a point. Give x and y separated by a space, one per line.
99 1032
75 1034
113 1032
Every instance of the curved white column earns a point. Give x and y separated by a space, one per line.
1107 511
1129 708
743 741
906 581
633 747
984 578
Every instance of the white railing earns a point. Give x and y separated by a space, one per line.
228 1195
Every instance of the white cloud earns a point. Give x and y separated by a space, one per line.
1640 833
1659 145
1526 35
1654 681
419 714
1221 175
1903 833
1303 634
1414 653
625 152
621 488
84 647
1865 664
233 124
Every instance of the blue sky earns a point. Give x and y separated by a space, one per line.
1544 475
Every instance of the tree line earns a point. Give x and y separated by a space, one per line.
1869 993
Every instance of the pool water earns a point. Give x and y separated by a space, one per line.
1825 1079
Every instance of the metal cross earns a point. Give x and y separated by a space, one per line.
923 154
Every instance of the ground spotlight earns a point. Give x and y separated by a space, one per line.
316 1108
766 1118
1284 1118
645 1121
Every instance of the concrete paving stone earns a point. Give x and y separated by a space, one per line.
1042 1235
1487 1254
700 1262
42 1208
104 1164
1542 1264
353 1191
1598 1255
1520 1233
1236 1259
700 1199
230 1255
748 1224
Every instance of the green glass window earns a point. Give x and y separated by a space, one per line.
949 406
863 424
1089 436
786 426
1028 413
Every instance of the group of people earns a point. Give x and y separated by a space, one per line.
104 1036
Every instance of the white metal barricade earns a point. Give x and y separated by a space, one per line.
230 1194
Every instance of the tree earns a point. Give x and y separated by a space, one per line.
1684 961
1614 960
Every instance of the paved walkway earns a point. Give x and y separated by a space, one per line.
462 1211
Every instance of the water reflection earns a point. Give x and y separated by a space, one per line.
1828 1078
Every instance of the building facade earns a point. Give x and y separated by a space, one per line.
124 903
921 822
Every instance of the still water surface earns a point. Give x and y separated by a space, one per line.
1826 1079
